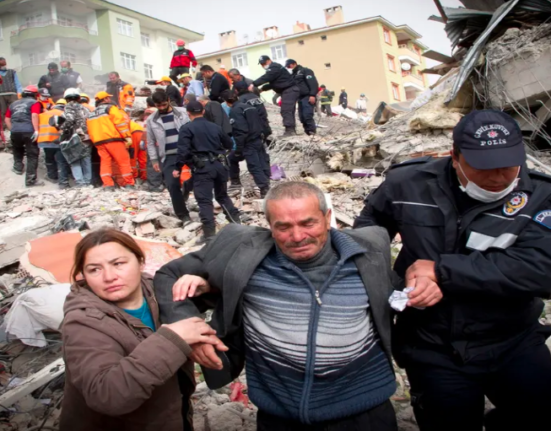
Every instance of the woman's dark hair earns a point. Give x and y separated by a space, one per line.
99 237
229 96
150 103
159 97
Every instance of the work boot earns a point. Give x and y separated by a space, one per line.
311 132
185 220
263 192
233 218
108 188
130 187
64 186
289 131
208 233
35 184
18 172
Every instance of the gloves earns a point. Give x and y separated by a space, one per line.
34 137
129 142
142 145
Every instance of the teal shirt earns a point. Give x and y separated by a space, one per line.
144 314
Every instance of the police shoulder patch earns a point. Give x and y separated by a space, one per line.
543 218
517 202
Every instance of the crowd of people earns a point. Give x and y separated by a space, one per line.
304 308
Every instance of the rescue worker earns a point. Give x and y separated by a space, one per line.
75 80
23 122
326 97
154 178
247 128
182 60
162 145
222 71
343 99
361 104
172 91
476 235
139 159
49 136
203 146
218 83
85 101
214 113
308 87
45 99
277 78
55 82
10 86
110 133
123 92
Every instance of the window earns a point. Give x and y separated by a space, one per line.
64 21
279 52
301 42
68 56
391 63
328 65
219 60
125 27
128 61
33 20
324 38
148 69
145 40
239 60
387 35
33 59
417 49
172 44
396 91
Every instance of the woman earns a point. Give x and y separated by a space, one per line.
121 364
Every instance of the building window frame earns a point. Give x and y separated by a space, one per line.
33 20
387 35
239 60
125 28
279 52
128 61
323 38
65 21
146 40
391 61
148 70
172 44
68 55
396 91
301 42
327 65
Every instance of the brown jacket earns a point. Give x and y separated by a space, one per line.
120 376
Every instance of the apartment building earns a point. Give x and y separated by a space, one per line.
95 35
371 56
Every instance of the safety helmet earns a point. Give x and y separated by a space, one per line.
44 92
84 98
61 102
180 42
71 94
30 91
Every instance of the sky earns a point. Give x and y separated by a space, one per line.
247 17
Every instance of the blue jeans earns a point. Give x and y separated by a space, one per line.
63 168
82 171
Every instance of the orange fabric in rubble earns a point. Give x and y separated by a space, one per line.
55 254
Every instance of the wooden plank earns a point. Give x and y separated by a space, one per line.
437 56
33 382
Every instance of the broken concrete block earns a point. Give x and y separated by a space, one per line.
224 417
258 205
25 224
145 229
146 216
167 222
168 233
187 233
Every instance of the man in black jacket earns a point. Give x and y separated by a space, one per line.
218 83
343 99
308 86
203 146
55 82
277 78
476 235
247 129
216 114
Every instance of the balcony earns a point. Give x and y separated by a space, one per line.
76 64
407 55
25 35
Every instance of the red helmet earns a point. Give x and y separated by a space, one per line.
30 91
180 42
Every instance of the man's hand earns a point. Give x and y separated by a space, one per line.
421 268
205 355
312 100
34 137
251 87
176 174
426 293
189 286
156 166
129 142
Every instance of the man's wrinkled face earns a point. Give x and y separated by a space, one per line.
113 78
298 226
235 77
493 180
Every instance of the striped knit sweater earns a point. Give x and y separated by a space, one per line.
313 356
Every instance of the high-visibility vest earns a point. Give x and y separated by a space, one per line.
107 124
47 104
47 133
135 127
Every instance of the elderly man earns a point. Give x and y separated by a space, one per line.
304 305
236 77
476 234
192 86
218 83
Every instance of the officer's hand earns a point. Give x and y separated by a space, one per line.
312 100
205 355
425 294
189 286
156 167
175 174
251 87
421 268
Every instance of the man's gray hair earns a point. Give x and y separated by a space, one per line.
295 190
234 71
204 97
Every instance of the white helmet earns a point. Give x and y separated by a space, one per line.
71 93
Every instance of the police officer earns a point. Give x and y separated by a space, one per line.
277 78
476 234
308 86
203 145
247 130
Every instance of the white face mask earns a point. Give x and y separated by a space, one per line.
266 66
486 196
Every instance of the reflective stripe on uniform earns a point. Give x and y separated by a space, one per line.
481 242
414 203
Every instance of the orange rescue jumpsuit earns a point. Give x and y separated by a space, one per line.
139 163
108 129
